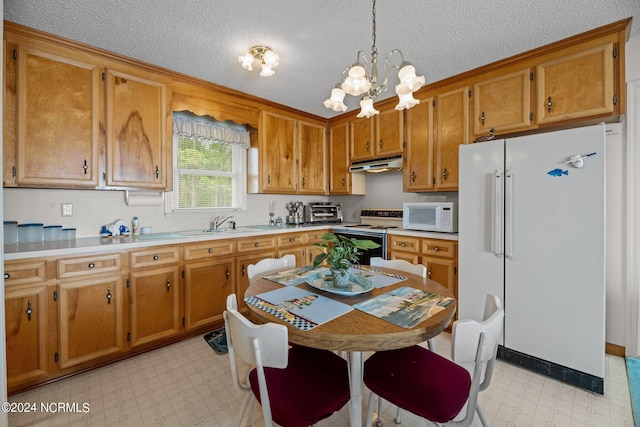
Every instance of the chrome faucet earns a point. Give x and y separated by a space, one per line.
216 222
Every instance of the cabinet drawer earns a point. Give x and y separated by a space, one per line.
439 248
210 249
314 237
93 264
156 256
257 243
404 244
19 272
290 240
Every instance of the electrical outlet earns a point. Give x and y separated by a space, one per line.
67 209
272 206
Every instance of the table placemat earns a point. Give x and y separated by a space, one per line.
303 309
405 306
296 276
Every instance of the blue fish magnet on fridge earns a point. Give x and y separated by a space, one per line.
558 172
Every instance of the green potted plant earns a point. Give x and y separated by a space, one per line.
341 253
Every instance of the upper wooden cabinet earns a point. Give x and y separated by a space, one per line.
418 157
580 83
312 158
452 129
57 102
379 136
74 119
502 103
137 131
291 156
341 181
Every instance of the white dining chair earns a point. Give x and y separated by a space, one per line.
432 386
291 383
269 264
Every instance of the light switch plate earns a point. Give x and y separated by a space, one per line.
67 209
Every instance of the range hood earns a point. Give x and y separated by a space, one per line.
387 164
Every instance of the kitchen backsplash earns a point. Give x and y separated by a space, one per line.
93 208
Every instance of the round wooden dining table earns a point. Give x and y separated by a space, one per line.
356 331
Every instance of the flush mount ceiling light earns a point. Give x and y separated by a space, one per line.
267 57
359 82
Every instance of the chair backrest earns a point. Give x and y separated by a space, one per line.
259 345
268 264
477 342
399 264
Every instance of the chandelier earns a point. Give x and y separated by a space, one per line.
360 82
267 57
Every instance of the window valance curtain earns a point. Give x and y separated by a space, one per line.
208 130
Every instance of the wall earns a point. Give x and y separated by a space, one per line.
93 208
384 190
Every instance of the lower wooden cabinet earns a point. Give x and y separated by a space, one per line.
206 286
242 278
90 319
155 304
25 331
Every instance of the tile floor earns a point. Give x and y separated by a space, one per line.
187 384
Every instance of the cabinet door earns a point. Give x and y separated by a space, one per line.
502 103
90 319
207 285
155 304
579 84
278 154
311 253
339 176
452 124
389 133
136 132
418 158
442 271
313 159
242 279
57 119
9 113
298 252
405 256
361 132
25 333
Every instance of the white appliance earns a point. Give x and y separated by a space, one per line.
430 216
532 231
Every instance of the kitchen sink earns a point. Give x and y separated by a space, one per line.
191 233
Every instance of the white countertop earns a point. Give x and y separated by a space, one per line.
423 234
87 245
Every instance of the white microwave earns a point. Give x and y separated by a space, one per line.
430 216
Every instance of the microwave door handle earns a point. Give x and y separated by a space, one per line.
498 213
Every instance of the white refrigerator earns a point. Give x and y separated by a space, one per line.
532 231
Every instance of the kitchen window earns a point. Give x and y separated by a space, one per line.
209 165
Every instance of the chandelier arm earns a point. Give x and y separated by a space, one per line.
390 54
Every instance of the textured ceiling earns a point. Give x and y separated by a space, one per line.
316 40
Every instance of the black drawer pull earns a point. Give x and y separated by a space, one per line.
91 265
156 257
7 276
210 250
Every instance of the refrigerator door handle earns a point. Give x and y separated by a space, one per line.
508 208
498 213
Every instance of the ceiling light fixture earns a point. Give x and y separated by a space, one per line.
267 57
358 82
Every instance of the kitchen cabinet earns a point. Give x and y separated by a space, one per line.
26 321
313 237
341 181
91 302
312 158
452 129
502 103
578 82
208 279
405 248
291 156
376 137
91 320
76 119
295 244
155 294
242 278
138 131
419 151
53 106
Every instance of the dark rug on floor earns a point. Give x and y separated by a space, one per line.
217 340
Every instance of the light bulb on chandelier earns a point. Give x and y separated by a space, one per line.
358 82
267 57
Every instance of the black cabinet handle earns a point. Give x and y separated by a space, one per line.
109 296
29 311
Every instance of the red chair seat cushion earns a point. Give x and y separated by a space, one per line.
314 385
419 381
